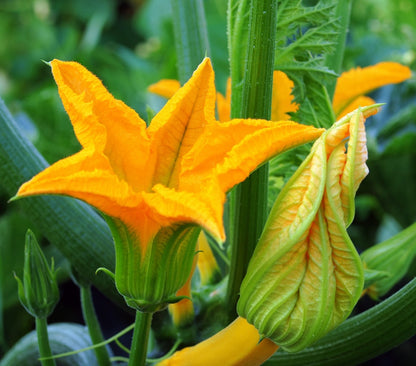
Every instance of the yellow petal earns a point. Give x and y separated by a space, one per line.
236 345
102 122
355 167
165 88
207 264
182 312
282 99
360 81
180 123
234 149
361 101
203 208
224 103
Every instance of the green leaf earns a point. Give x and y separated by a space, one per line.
304 36
72 226
64 337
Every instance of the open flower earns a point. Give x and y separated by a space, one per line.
305 275
157 184
349 94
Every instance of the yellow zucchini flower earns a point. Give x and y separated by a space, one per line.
157 185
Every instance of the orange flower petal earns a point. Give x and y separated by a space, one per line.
282 99
102 121
85 176
361 101
165 88
182 312
204 208
353 83
224 103
175 129
207 264
236 345
233 149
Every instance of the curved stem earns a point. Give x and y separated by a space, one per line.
43 342
140 339
93 325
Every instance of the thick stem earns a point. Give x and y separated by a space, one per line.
43 342
251 98
191 38
93 325
140 339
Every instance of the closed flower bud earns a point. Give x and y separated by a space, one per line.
305 275
39 291
392 258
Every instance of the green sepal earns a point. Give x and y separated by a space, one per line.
148 275
175 299
107 272
393 256
372 276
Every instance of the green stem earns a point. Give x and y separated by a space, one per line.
93 325
191 38
252 80
43 342
334 60
140 339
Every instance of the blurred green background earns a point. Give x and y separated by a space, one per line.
129 45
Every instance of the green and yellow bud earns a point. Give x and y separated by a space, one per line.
391 259
39 291
305 275
148 275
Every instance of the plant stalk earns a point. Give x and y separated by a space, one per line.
252 80
93 325
43 342
140 339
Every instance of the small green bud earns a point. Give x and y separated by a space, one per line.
391 257
39 291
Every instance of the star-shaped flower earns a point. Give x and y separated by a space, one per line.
155 182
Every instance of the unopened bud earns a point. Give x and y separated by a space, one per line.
39 291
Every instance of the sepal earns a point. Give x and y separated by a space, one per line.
148 275
392 257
